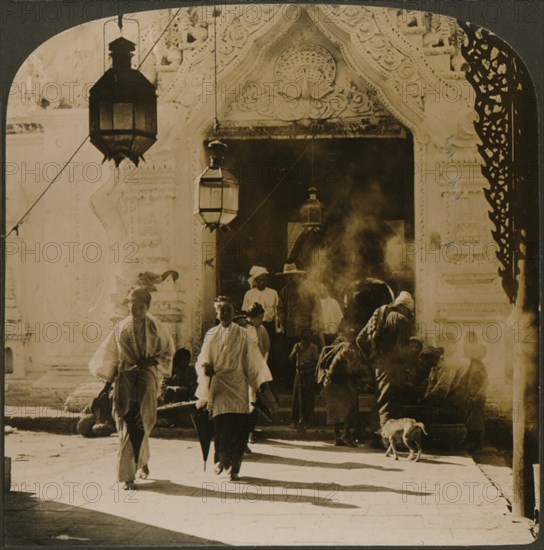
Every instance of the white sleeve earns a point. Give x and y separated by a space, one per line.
203 388
245 304
257 370
105 361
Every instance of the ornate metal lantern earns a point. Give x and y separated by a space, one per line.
311 212
123 108
216 191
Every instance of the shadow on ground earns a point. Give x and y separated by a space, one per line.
273 459
362 449
32 522
250 490
330 487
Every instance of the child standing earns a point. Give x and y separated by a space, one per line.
258 336
304 355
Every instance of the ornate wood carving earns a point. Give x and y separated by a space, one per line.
495 74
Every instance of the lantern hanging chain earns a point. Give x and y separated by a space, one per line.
216 121
119 18
261 204
312 161
16 226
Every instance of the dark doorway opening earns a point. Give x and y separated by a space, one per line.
366 186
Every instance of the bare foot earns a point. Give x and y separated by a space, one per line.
129 486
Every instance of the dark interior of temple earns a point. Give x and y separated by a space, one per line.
361 182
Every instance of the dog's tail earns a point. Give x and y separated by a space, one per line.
422 426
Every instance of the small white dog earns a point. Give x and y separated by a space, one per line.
405 430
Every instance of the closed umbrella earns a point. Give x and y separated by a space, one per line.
261 408
204 429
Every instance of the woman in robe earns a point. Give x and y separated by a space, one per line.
341 391
227 367
135 357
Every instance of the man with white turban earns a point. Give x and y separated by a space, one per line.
261 294
267 297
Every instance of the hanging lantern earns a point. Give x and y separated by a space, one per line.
311 212
123 108
216 191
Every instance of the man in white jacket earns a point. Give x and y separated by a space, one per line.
264 295
228 365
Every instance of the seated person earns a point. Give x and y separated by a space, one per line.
182 384
431 368
415 373
468 392
476 382
96 418
442 388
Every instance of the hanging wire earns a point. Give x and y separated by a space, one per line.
312 161
216 124
160 36
16 226
259 206
22 218
119 18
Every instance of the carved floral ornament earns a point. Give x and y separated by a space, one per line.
372 31
305 88
184 52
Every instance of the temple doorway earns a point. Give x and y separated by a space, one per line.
366 187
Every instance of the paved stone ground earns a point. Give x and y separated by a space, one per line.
291 493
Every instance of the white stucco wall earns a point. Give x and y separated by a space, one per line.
147 214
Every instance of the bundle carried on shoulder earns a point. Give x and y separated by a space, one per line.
328 353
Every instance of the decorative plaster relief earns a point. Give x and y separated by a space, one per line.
306 89
451 311
24 128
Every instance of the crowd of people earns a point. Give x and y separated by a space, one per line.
298 338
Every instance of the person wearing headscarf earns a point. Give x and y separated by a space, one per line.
227 367
340 386
135 357
383 342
